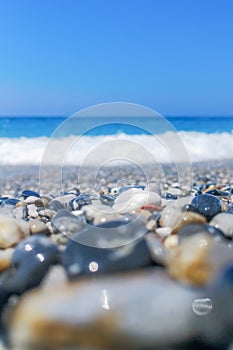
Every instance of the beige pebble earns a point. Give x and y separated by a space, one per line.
5 258
198 259
11 231
37 226
171 242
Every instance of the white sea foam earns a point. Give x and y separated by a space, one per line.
161 148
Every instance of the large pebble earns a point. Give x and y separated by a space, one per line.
31 260
134 199
207 205
224 221
6 258
198 259
11 231
37 226
144 310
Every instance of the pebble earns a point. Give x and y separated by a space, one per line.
151 257
172 216
32 211
28 193
194 228
113 233
37 226
134 199
56 205
78 202
5 258
207 205
130 311
31 259
11 231
198 259
31 200
224 222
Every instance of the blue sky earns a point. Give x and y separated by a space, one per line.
57 56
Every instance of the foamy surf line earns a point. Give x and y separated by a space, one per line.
197 147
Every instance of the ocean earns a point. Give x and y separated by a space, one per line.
23 140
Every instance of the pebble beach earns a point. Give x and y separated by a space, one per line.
118 261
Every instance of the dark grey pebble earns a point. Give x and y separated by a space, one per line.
79 259
31 260
207 205
55 205
84 253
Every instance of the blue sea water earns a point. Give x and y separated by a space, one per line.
24 140
30 127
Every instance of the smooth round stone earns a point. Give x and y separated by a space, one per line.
134 199
31 260
224 222
47 213
193 229
56 205
27 193
31 199
37 226
32 211
42 202
66 223
113 233
207 205
79 259
11 231
81 200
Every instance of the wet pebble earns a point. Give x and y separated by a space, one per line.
207 205
31 260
